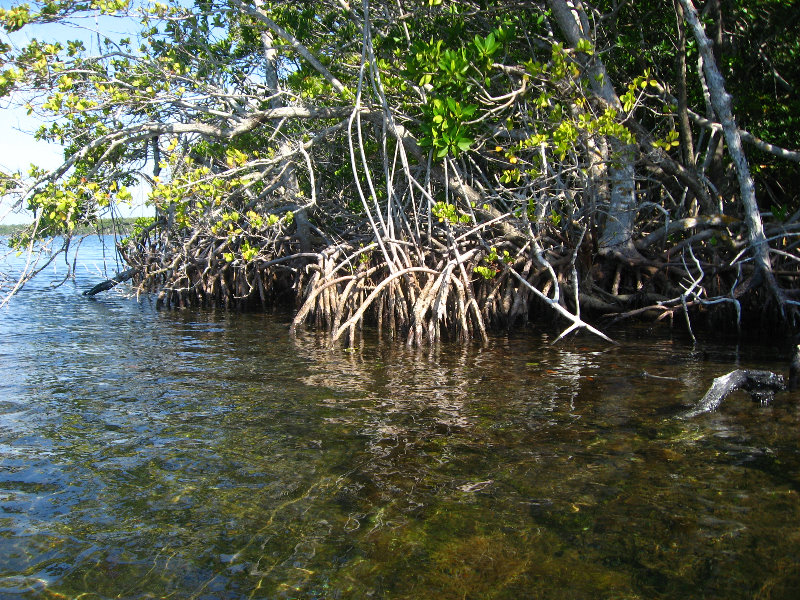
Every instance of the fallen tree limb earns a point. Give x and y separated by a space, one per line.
110 283
577 322
762 385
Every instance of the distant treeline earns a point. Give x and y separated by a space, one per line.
123 227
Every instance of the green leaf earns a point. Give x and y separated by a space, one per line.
491 43
469 110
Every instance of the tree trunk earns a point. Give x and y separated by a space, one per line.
619 226
687 145
721 102
270 63
291 188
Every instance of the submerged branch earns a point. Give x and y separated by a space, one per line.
114 281
761 384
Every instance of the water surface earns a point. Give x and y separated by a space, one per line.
199 454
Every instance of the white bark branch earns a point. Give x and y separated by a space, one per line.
258 13
748 137
721 102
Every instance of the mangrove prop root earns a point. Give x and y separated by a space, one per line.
445 286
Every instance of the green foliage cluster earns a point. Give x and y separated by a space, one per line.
503 97
449 75
446 212
757 46
493 264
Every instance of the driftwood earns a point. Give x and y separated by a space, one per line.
794 370
110 283
761 385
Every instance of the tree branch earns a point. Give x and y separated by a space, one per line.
258 13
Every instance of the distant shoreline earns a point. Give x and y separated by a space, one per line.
106 226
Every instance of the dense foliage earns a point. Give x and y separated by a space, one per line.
436 166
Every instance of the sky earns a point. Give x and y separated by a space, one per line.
18 148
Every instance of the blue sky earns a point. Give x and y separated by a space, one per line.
18 148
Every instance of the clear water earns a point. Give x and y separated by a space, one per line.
191 454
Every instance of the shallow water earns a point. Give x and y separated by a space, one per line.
198 454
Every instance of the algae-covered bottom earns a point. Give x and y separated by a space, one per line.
150 454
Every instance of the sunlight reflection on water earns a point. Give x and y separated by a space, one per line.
198 454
